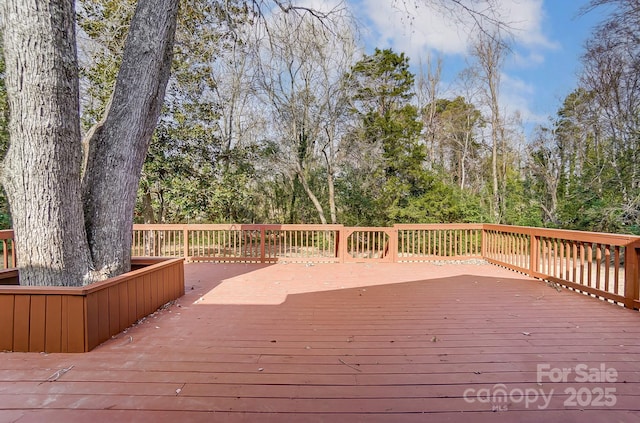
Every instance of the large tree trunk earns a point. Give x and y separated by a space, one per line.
68 232
41 172
118 148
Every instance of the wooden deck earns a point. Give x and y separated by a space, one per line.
409 342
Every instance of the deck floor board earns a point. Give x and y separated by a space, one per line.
409 342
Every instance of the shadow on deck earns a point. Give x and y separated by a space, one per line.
411 342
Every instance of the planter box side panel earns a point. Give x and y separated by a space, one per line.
116 307
61 319
41 323
6 322
53 323
21 314
73 336
37 314
177 281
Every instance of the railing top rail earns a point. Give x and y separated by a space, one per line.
526 230
594 237
369 228
6 234
235 226
163 226
438 226
298 227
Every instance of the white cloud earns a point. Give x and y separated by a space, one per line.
324 6
526 59
525 17
417 26
414 31
516 96
418 29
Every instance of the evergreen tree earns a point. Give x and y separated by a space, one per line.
390 129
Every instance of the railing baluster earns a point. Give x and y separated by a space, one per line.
598 281
607 262
616 270
5 253
582 263
589 264
561 261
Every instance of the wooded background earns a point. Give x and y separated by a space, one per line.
282 117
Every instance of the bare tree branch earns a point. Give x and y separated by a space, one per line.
485 18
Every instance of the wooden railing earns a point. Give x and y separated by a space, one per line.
598 264
308 243
8 249
239 243
439 241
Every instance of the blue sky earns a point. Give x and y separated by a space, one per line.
541 71
556 75
548 41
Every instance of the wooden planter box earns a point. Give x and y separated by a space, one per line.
66 319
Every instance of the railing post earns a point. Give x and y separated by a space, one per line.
393 244
262 244
631 275
8 248
534 251
341 244
185 236
483 244
5 253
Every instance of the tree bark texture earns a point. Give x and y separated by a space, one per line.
72 230
41 171
118 148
